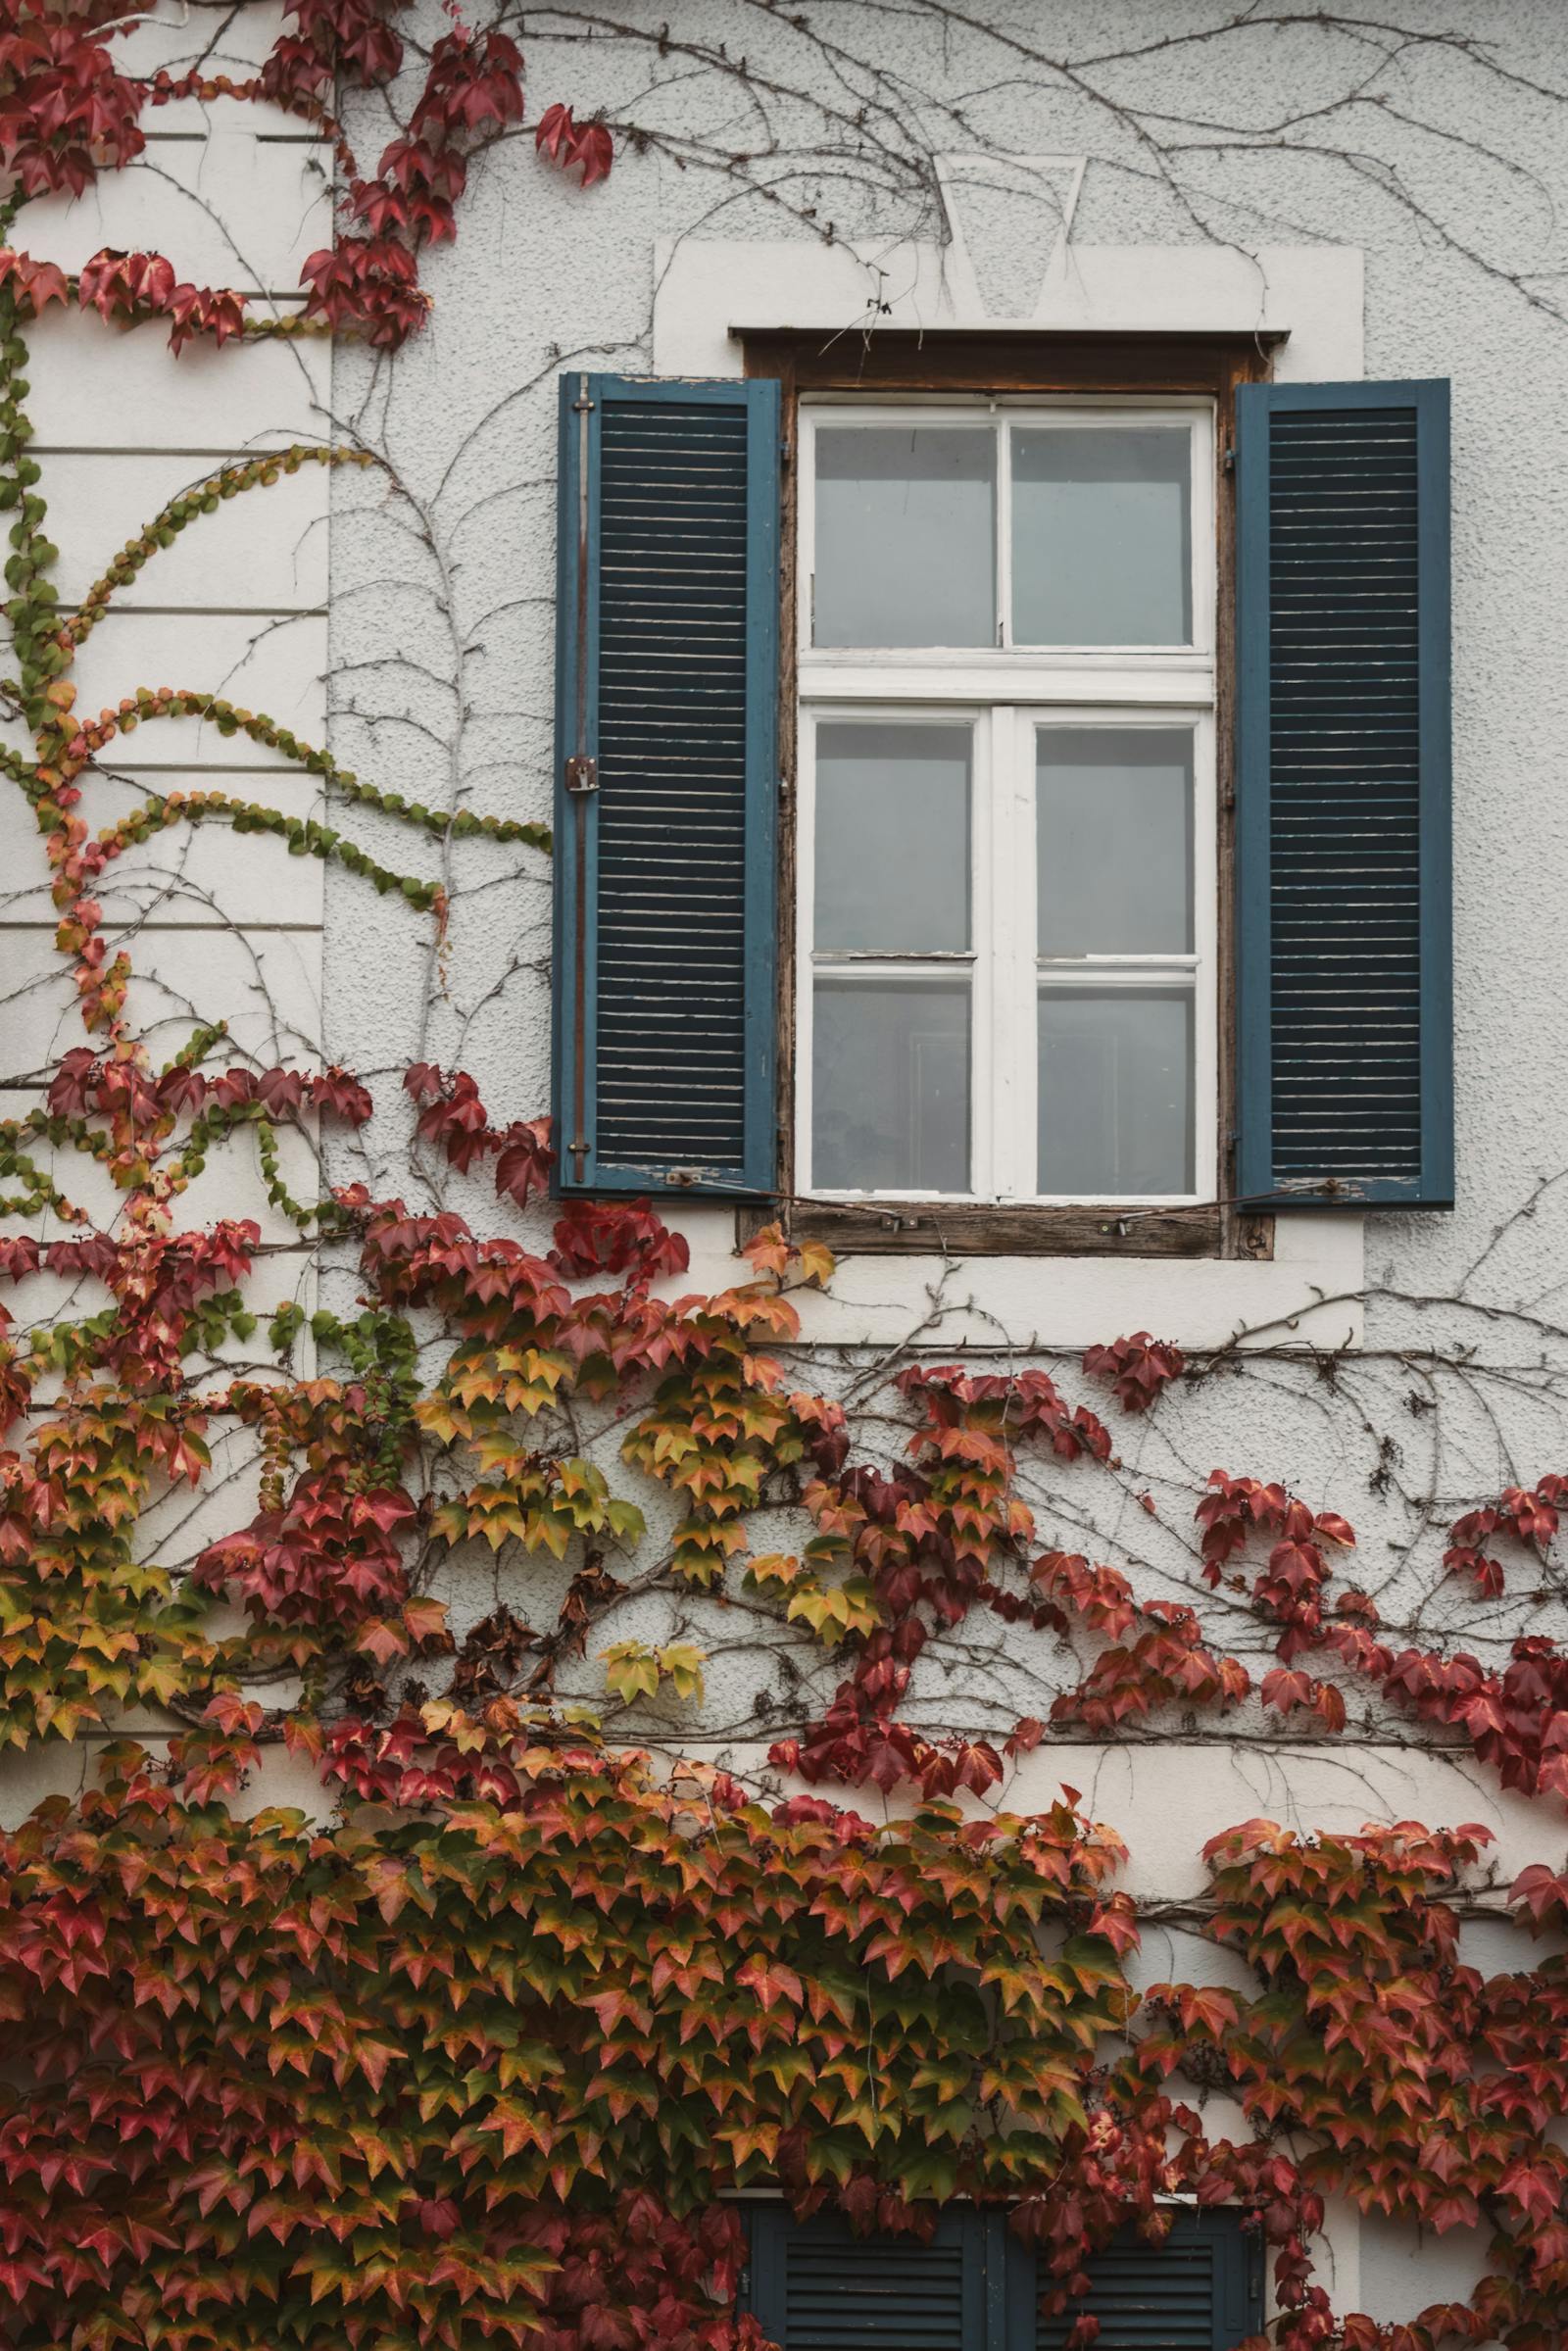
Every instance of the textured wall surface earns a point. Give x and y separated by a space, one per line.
235 195
540 273
1388 237
1231 180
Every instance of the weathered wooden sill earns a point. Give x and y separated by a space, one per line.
928 1228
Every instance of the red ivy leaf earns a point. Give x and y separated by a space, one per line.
525 1160
1138 1368
568 142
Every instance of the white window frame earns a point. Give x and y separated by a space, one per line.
1006 691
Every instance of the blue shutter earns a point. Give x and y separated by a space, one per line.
814 2286
1200 2290
1345 1067
666 786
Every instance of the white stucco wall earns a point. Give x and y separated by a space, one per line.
434 678
649 274
234 195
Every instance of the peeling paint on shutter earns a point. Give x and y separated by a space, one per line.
1344 1063
667 790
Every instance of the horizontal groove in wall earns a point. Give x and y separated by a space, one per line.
177 930
231 455
291 299
278 767
203 611
262 139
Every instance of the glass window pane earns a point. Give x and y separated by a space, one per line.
1113 840
905 535
1115 1091
892 848
1101 535
890 1085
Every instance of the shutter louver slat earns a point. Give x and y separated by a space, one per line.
664 1004
1344 1073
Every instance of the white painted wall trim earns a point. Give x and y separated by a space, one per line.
708 289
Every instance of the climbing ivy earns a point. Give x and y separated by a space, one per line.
485 2050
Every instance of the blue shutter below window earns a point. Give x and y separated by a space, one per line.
814 2286
1345 1071
666 786
1200 2290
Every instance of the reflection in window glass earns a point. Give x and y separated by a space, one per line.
1115 1091
905 536
889 1084
1113 840
892 850
1101 535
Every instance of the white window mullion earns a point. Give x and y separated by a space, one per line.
982 986
1205 940
1012 955
1002 636
1026 884
805 968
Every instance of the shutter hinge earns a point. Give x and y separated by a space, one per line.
786 452
1229 459
582 774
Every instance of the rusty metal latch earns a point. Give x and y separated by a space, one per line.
582 774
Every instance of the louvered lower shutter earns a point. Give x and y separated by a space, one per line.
814 2286
666 786
1200 2290
1344 919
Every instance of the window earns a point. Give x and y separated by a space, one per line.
975 799
974 2287
1005 870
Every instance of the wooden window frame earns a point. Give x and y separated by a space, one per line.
993 363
